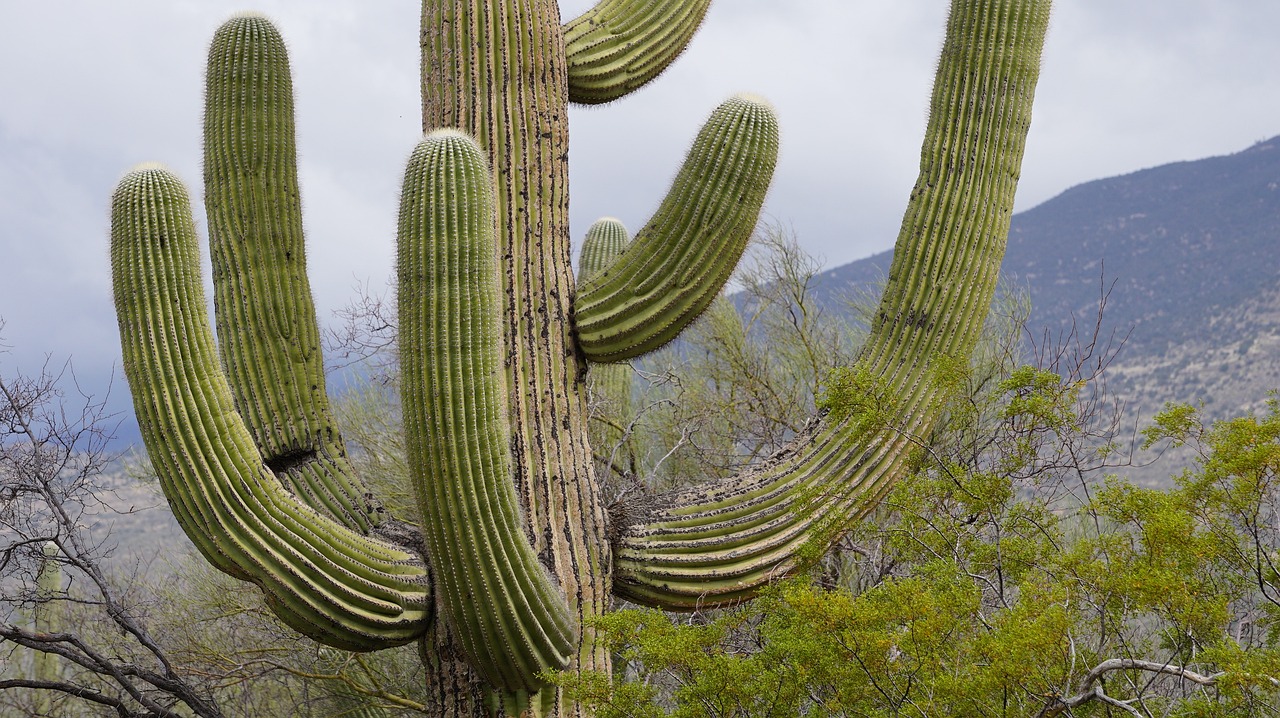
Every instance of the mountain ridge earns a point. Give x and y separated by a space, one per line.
1185 255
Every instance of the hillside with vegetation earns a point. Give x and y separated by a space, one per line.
1185 256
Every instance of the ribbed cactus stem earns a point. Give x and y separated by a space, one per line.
720 543
512 619
44 619
266 318
608 385
683 257
325 580
618 46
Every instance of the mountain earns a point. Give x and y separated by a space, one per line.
1186 254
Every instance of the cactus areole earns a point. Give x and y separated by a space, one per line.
513 554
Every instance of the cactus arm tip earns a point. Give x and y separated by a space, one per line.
686 253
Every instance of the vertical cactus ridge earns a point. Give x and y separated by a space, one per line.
683 257
325 580
266 318
512 619
619 46
719 543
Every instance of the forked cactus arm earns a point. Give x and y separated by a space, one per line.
683 257
513 621
325 580
266 319
619 46
721 542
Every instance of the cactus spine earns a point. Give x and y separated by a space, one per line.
495 400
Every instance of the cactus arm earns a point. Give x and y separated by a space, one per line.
619 46
44 619
266 319
720 543
512 619
325 580
683 257
608 385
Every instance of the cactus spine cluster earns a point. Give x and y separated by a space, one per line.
494 332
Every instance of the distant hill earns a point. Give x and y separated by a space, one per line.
1190 252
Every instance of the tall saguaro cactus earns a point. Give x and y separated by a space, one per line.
514 555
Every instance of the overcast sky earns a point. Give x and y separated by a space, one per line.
91 88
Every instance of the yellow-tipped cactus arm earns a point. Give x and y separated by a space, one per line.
682 258
513 620
720 542
619 46
325 580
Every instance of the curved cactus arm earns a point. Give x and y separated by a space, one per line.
721 542
512 619
266 319
682 258
618 46
325 580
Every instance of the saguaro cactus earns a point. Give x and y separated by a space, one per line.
514 547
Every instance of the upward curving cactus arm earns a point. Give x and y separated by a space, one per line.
721 542
266 320
325 580
619 46
683 257
512 619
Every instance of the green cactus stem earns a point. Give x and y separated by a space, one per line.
719 543
325 580
618 46
608 385
44 619
682 258
512 619
266 320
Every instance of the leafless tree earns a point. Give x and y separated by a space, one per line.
53 452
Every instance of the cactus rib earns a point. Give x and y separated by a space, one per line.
323 579
512 619
681 259
619 46
721 542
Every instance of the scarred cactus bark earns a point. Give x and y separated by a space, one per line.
494 336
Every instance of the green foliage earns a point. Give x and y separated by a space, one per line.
1012 591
